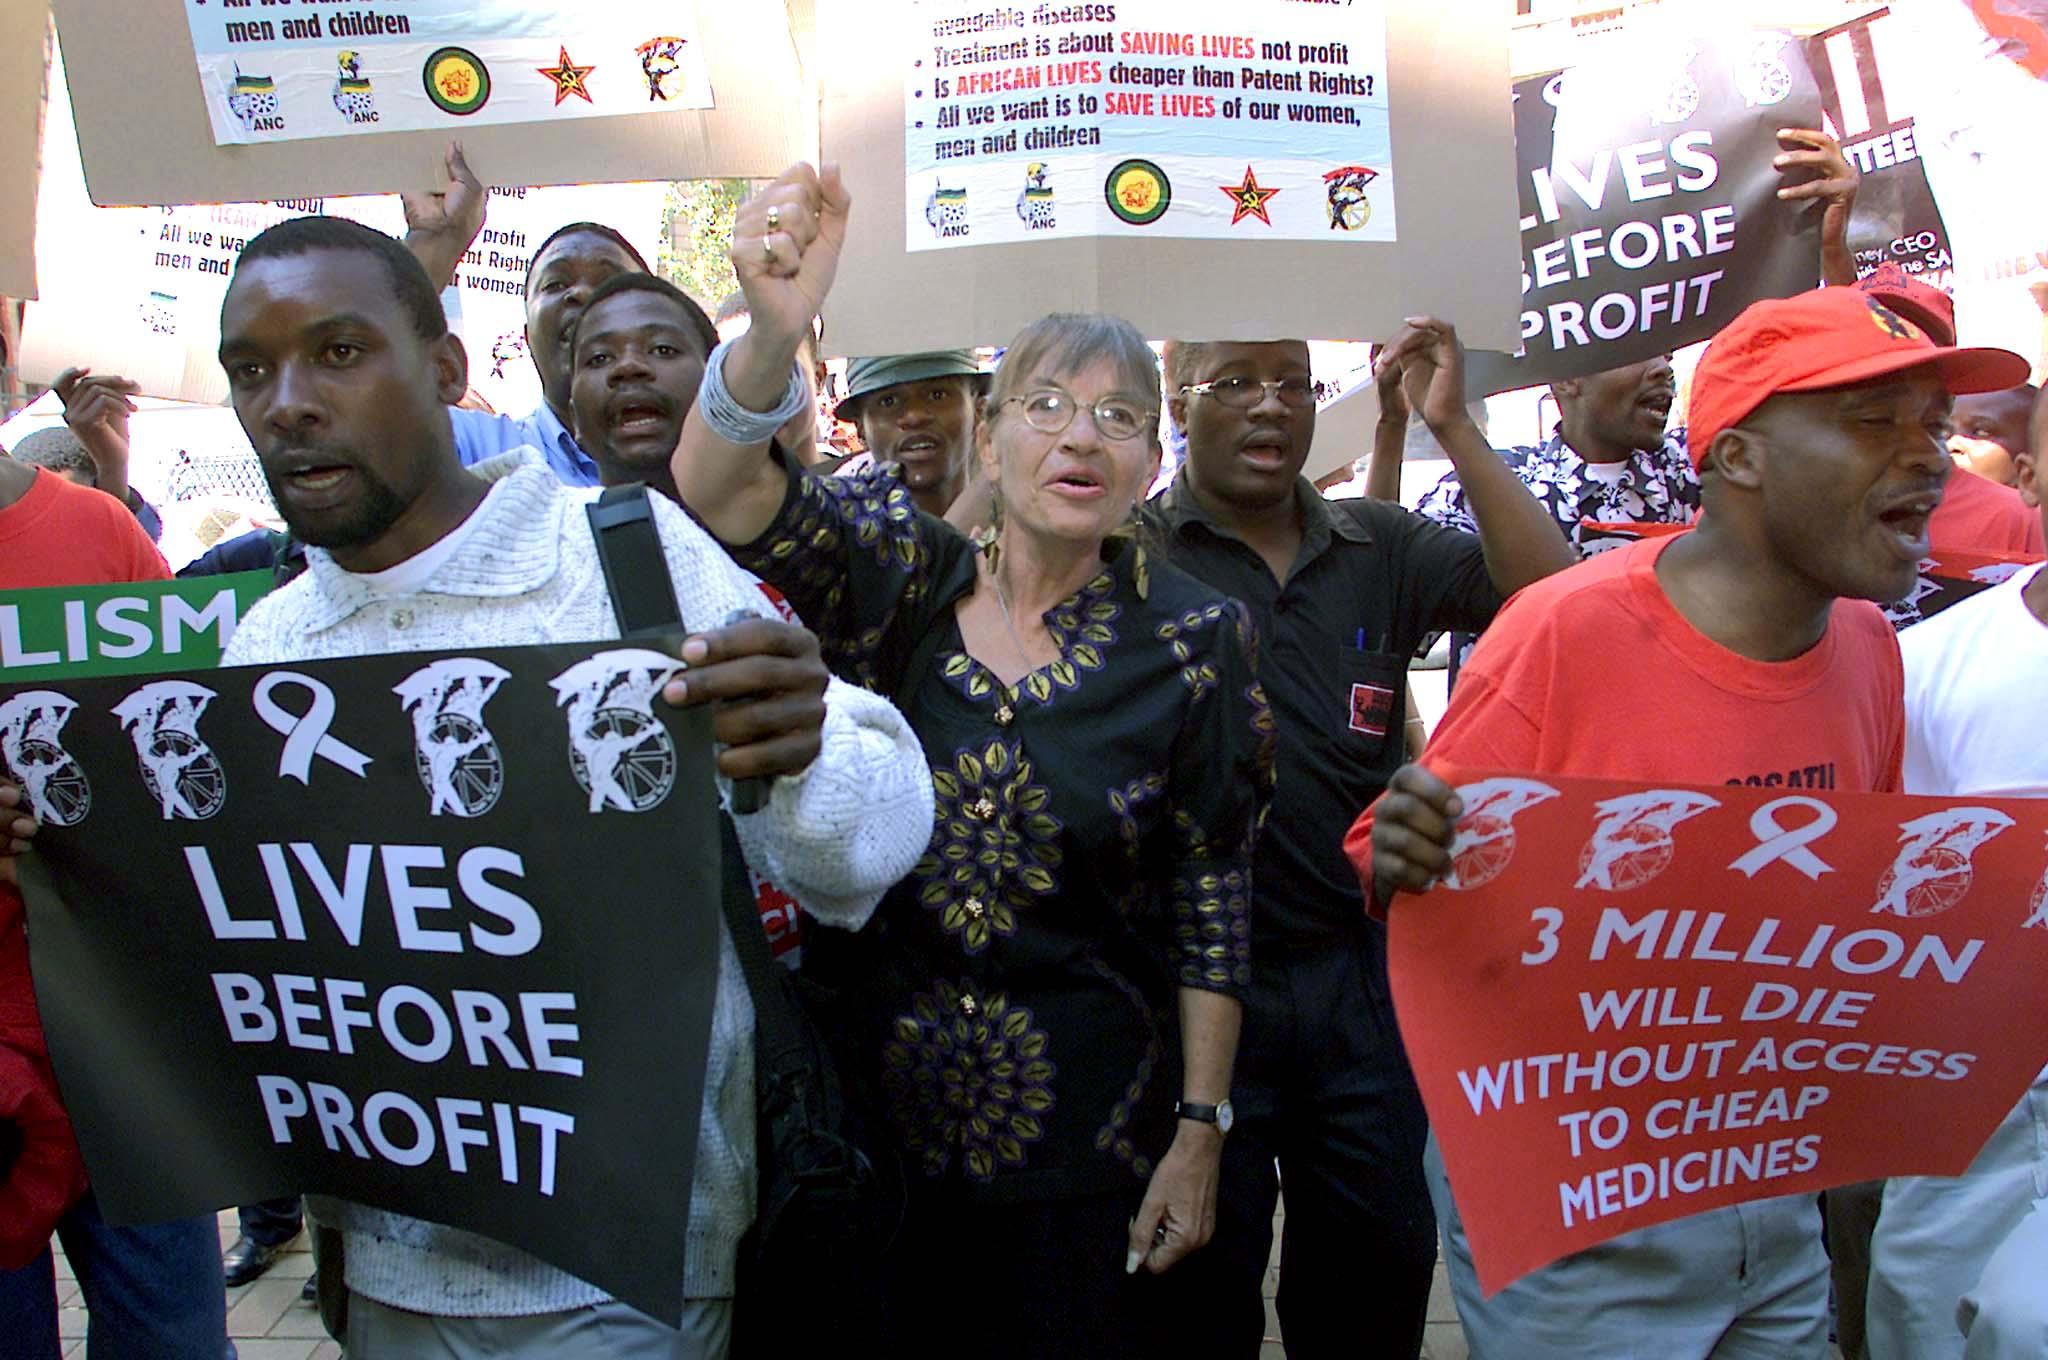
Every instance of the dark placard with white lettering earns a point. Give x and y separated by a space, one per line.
1896 220
430 932
1650 214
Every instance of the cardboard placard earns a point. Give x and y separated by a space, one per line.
145 136
1821 987
138 291
274 74
1649 209
1445 82
23 29
327 928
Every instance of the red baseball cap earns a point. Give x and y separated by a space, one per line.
1922 304
1830 337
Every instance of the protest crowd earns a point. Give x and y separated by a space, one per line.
1066 753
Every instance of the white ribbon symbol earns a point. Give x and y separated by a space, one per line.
306 736
1789 846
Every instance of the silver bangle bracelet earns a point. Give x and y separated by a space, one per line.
734 423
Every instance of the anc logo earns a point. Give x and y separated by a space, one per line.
1138 192
457 81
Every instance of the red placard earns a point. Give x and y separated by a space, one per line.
1630 1003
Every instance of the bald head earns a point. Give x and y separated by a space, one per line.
1991 430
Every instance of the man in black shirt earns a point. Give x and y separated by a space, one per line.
1343 593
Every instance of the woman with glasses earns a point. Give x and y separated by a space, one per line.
1049 1002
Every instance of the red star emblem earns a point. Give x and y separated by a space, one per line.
569 78
1248 199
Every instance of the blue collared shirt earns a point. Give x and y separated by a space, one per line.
480 435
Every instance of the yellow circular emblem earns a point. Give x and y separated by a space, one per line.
1138 192
457 80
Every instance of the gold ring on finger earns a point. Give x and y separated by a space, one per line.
774 218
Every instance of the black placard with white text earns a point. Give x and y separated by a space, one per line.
430 932
1896 220
1649 202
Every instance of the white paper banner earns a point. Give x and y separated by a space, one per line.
138 291
278 71
1210 119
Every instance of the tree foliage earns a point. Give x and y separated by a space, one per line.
697 236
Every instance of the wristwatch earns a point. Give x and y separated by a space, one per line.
1221 1114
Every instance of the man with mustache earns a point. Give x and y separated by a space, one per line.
1342 593
1977 515
918 410
1819 429
638 354
1959 1265
1609 459
340 366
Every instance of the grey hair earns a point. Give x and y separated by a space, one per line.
1065 342
57 449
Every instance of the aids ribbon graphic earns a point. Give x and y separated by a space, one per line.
305 735
1789 846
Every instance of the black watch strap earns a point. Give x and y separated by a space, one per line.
1201 1114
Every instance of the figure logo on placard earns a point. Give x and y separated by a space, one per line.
1350 209
1997 573
1486 833
180 770
457 81
455 755
253 101
2037 906
1906 610
32 750
1631 843
661 62
354 100
1138 192
1035 205
946 210
1932 871
507 348
1765 78
1248 198
1668 89
618 750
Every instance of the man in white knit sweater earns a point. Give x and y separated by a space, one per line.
340 365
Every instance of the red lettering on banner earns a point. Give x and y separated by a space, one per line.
1816 990
781 919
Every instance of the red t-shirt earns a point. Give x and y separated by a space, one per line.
1593 672
60 534
1978 515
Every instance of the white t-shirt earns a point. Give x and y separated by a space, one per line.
1975 674
411 576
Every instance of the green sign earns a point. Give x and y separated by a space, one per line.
126 629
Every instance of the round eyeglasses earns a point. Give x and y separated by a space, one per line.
1049 411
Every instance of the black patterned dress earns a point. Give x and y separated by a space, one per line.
1091 852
